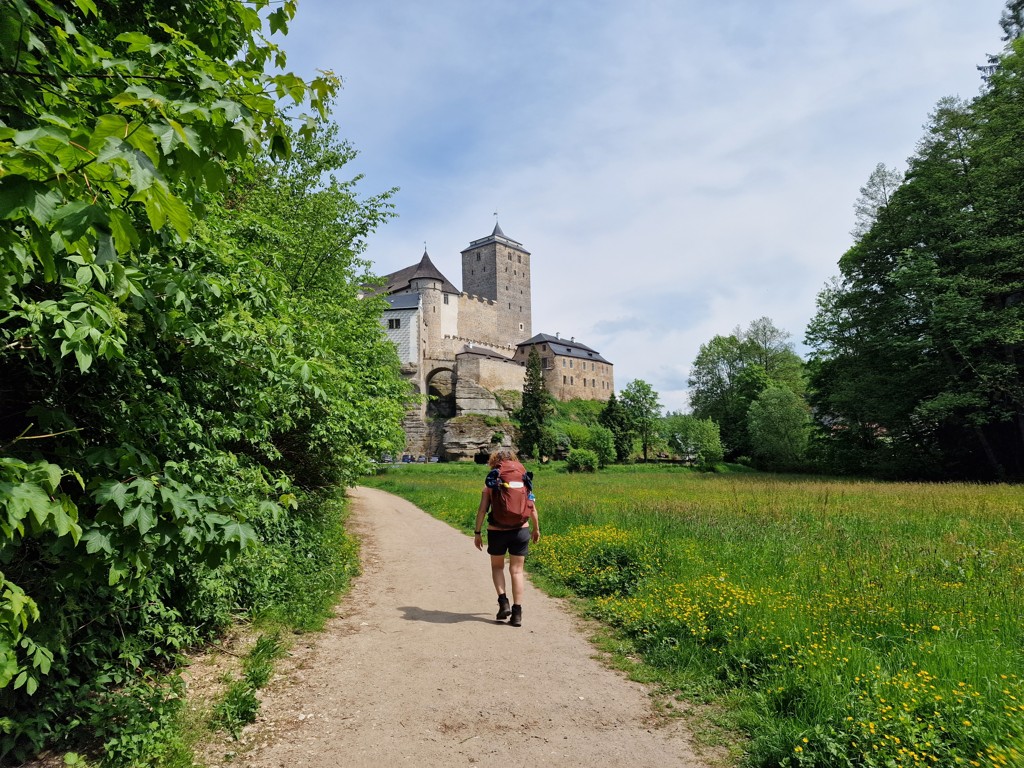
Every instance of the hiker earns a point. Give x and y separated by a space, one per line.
508 502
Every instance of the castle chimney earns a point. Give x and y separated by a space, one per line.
557 335
572 338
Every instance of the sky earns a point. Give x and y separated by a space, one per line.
677 168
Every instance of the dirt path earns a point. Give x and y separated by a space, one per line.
415 671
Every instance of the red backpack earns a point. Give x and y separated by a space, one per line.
509 506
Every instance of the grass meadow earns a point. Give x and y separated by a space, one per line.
842 623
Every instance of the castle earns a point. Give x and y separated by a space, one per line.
462 348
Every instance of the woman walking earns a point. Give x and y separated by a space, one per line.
512 523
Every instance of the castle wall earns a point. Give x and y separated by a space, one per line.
478 321
492 374
567 377
583 380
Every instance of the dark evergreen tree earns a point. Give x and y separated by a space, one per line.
535 410
614 418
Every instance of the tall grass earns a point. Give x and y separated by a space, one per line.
864 624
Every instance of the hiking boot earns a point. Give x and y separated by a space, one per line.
517 616
503 609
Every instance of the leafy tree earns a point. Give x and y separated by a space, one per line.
614 418
779 428
917 364
697 440
640 403
731 371
874 198
602 442
536 409
170 375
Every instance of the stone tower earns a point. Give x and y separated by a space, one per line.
498 268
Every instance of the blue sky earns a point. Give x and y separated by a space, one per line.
676 168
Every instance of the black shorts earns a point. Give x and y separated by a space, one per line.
515 542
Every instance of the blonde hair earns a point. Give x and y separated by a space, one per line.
500 455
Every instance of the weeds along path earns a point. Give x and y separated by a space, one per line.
415 671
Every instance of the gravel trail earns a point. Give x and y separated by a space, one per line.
414 670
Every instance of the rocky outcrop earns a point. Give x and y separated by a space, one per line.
471 398
467 436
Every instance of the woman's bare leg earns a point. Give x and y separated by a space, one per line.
498 573
515 569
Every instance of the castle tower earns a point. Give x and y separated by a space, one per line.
498 268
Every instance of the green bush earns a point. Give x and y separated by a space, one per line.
578 434
582 460
602 442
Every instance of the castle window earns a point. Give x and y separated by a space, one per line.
591 365
570 363
563 362
563 379
510 257
584 382
520 256
571 381
446 298
521 327
478 257
394 323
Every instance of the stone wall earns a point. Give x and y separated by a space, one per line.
478 320
490 373
586 380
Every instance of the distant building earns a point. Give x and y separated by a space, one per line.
461 347
571 369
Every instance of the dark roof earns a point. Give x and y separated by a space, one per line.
497 236
403 301
484 352
402 279
564 347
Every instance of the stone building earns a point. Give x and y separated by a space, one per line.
571 369
460 348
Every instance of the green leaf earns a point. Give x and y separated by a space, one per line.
107 126
18 195
87 7
123 230
118 571
147 519
163 207
240 533
76 219
105 251
112 491
278 21
97 541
